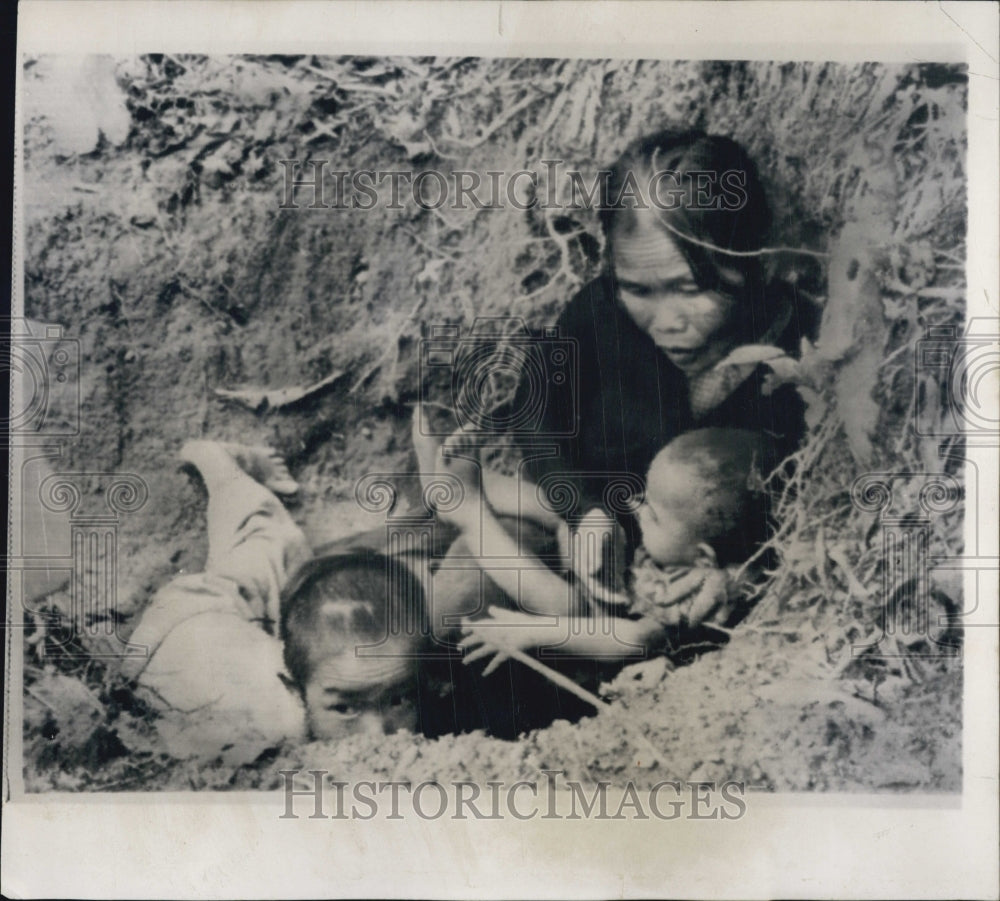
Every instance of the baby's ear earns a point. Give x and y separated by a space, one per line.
706 555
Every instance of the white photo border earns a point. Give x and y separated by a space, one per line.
788 845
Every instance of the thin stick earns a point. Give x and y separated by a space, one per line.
764 251
642 743
39 698
394 345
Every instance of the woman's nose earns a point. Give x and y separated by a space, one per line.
668 318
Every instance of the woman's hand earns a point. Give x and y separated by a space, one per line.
710 602
502 631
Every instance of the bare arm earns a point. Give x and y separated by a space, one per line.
586 636
516 496
611 636
530 582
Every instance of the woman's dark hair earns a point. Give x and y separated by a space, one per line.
334 602
710 193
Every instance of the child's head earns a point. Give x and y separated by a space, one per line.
699 493
675 203
353 626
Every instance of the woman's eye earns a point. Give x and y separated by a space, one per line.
395 700
340 708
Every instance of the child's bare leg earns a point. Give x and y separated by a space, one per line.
518 496
427 448
507 495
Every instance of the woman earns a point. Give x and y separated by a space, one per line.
684 217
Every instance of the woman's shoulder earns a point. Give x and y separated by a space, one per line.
591 304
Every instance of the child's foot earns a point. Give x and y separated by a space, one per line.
426 447
263 464
454 458
459 457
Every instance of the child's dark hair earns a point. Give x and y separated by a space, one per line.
337 602
727 212
731 512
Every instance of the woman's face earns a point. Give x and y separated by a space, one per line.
656 287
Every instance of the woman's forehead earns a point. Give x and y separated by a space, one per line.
646 253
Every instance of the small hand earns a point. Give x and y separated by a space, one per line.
699 596
710 602
500 632
485 649
674 597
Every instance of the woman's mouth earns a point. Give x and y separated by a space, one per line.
687 359
681 353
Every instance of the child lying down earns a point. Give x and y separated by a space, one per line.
222 678
698 510
223 682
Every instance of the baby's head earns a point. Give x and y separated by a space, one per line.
700 501
353 627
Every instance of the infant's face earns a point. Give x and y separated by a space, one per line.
666 535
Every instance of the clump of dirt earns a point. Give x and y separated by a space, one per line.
168 251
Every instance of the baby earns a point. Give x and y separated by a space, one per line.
701 513
702 510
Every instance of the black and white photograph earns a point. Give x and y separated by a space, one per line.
502 437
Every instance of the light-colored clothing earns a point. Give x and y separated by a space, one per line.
214 667
652 595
